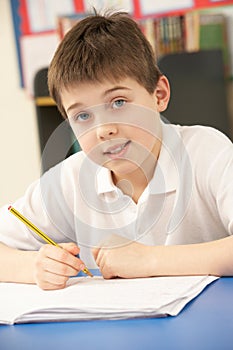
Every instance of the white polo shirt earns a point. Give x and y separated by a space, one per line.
189 199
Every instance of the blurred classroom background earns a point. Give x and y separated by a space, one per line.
30 31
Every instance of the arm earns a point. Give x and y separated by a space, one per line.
16 265
133 259
50 267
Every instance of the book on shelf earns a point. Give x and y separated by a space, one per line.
165 34
190 32
213 34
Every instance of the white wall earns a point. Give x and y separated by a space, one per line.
19 143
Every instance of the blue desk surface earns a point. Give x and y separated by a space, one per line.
205 323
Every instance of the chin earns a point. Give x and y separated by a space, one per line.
121 167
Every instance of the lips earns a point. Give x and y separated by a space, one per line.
117 150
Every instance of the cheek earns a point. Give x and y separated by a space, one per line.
87 142
143 137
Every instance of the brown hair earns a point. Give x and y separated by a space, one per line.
110 46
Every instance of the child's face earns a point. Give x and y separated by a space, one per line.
117 123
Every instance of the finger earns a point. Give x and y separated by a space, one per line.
74 250
71 248
62 255
103 262
100 257
106 269
95 252
58 268
50 281
107 273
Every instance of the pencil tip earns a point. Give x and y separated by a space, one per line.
87 272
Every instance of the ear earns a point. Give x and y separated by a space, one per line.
162 93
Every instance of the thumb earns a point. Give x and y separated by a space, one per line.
71 247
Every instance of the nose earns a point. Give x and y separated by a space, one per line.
106 131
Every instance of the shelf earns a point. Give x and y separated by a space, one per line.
44 101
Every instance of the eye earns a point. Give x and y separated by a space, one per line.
118 103
82 117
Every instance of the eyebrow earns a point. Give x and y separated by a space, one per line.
104 95
75 105
115 88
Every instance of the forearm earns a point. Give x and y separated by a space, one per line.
16 265
211 258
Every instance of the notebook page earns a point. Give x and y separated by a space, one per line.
88 298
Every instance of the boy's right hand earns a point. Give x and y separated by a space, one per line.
54 266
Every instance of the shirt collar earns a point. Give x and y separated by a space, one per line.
166 173
104 181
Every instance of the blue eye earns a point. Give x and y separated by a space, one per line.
82 117
118 104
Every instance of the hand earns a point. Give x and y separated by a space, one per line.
120 257
54 266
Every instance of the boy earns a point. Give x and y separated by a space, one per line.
143 198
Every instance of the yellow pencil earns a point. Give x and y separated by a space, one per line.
40 233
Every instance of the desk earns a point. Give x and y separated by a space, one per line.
206 323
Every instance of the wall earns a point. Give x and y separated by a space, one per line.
19 144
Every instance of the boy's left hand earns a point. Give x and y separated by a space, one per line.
119 257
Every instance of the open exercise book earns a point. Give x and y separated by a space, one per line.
87 298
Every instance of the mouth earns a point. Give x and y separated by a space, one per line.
117 150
